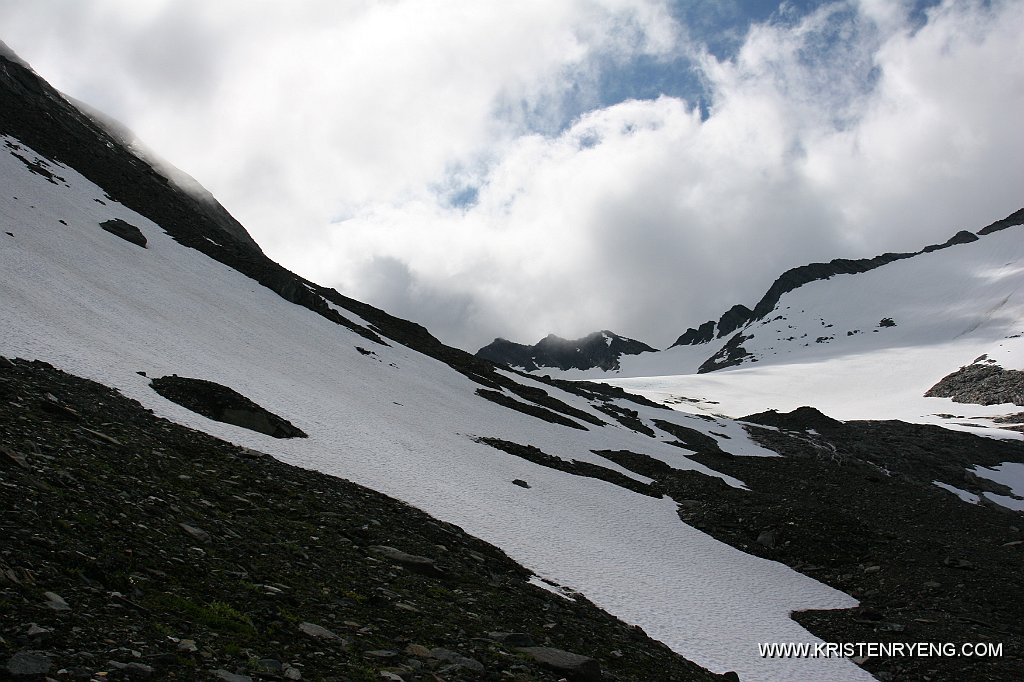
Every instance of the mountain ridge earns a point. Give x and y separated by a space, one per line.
732 321
598 349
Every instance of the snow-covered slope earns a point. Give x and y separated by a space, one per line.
870 345
390 417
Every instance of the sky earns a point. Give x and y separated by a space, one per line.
516 169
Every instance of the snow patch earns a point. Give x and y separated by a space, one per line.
962 494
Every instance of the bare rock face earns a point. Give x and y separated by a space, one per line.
702 334
601 349
224 404
981 384
125 231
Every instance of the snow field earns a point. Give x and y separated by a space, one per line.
99 307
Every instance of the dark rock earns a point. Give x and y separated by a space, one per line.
132 670
226 676
195 533
319 632
457 660
1012 220
801 419
576 666
731 354
981 384
125 231
381 653
601 349
692 337
516 639
732 319
270 665
9 456
961 237
962 564
576 467
417 564
521 483
223 404
537 411
29 663
766 538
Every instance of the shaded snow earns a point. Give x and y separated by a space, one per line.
398 422
1010 474
962 494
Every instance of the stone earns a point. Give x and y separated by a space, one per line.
417 650
231 677
14 458
221 403
456 659
512 638
291 673
56 602
29 663
319 632
270 665
381 653
133 670
766 538
575 665
415 563
521 483
124 230
196 533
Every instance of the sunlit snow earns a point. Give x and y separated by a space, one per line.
399 422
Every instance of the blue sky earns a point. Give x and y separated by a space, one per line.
513 169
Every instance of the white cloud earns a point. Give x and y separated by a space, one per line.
341 132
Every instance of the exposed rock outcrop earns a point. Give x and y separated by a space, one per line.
224 404
981 384
124 230
601 349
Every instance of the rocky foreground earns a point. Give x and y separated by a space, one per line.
134 548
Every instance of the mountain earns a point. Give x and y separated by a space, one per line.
731 320
601 349
937 308
212 468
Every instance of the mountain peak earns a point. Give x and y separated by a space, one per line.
598 349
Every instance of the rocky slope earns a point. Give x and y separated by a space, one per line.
138 549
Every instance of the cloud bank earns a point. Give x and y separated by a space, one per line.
516 169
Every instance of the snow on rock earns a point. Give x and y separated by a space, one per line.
396 421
